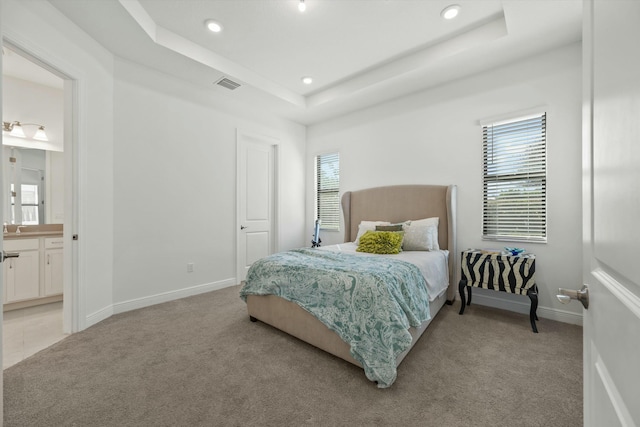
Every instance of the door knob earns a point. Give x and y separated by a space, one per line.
6 255
242 227
566 295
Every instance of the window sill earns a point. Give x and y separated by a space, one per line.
514 239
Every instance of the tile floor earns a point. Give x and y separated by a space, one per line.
28 330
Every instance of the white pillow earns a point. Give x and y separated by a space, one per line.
434 231
368 225
421 235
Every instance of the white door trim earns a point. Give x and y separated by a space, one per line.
275 218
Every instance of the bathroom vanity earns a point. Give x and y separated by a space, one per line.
35 276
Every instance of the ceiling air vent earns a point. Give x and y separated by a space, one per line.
229 84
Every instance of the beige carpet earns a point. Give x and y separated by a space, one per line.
199 361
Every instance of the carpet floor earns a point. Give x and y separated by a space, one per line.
199 361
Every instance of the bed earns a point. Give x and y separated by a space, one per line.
394 204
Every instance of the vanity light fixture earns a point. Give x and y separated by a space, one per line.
15 129
450 11
213 26
301 6
307 80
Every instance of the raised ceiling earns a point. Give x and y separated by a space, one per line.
358 52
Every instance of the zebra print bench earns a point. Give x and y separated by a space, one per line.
504 273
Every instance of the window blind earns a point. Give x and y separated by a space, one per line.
515 180
327 191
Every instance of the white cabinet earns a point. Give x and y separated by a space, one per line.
35 276
22 274
53 266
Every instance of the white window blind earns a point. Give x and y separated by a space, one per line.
327 191
515 180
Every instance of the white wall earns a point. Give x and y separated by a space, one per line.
29 102
38 28
175 185
434 137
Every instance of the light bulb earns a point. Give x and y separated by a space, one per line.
301 6
450 12
213 26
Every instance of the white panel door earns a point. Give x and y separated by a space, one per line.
612 212
256 199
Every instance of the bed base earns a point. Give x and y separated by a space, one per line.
289 317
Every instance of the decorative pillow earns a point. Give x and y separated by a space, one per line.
435 221
421 235
392 227
381 242
368 226
434 230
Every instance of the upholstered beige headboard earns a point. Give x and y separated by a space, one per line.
407 202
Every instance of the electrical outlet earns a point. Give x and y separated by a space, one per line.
189 267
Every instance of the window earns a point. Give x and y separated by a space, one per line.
30 204
327 191
515 181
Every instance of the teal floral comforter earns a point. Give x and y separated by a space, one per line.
369 301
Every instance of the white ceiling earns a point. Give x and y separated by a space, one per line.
359 52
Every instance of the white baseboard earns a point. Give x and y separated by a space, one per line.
134 304
98 316
523 307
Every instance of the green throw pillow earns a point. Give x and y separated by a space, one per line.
381 242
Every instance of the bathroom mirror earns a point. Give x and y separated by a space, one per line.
34 183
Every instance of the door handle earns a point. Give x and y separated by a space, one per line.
242 227
6 255
566 295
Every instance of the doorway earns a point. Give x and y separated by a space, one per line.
35 201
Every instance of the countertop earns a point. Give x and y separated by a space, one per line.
33 231
32 234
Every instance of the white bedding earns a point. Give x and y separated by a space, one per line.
434 265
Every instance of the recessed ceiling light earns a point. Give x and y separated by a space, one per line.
450 12
213 26
301 6
307 80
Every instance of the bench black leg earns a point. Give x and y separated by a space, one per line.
533 316
463 301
